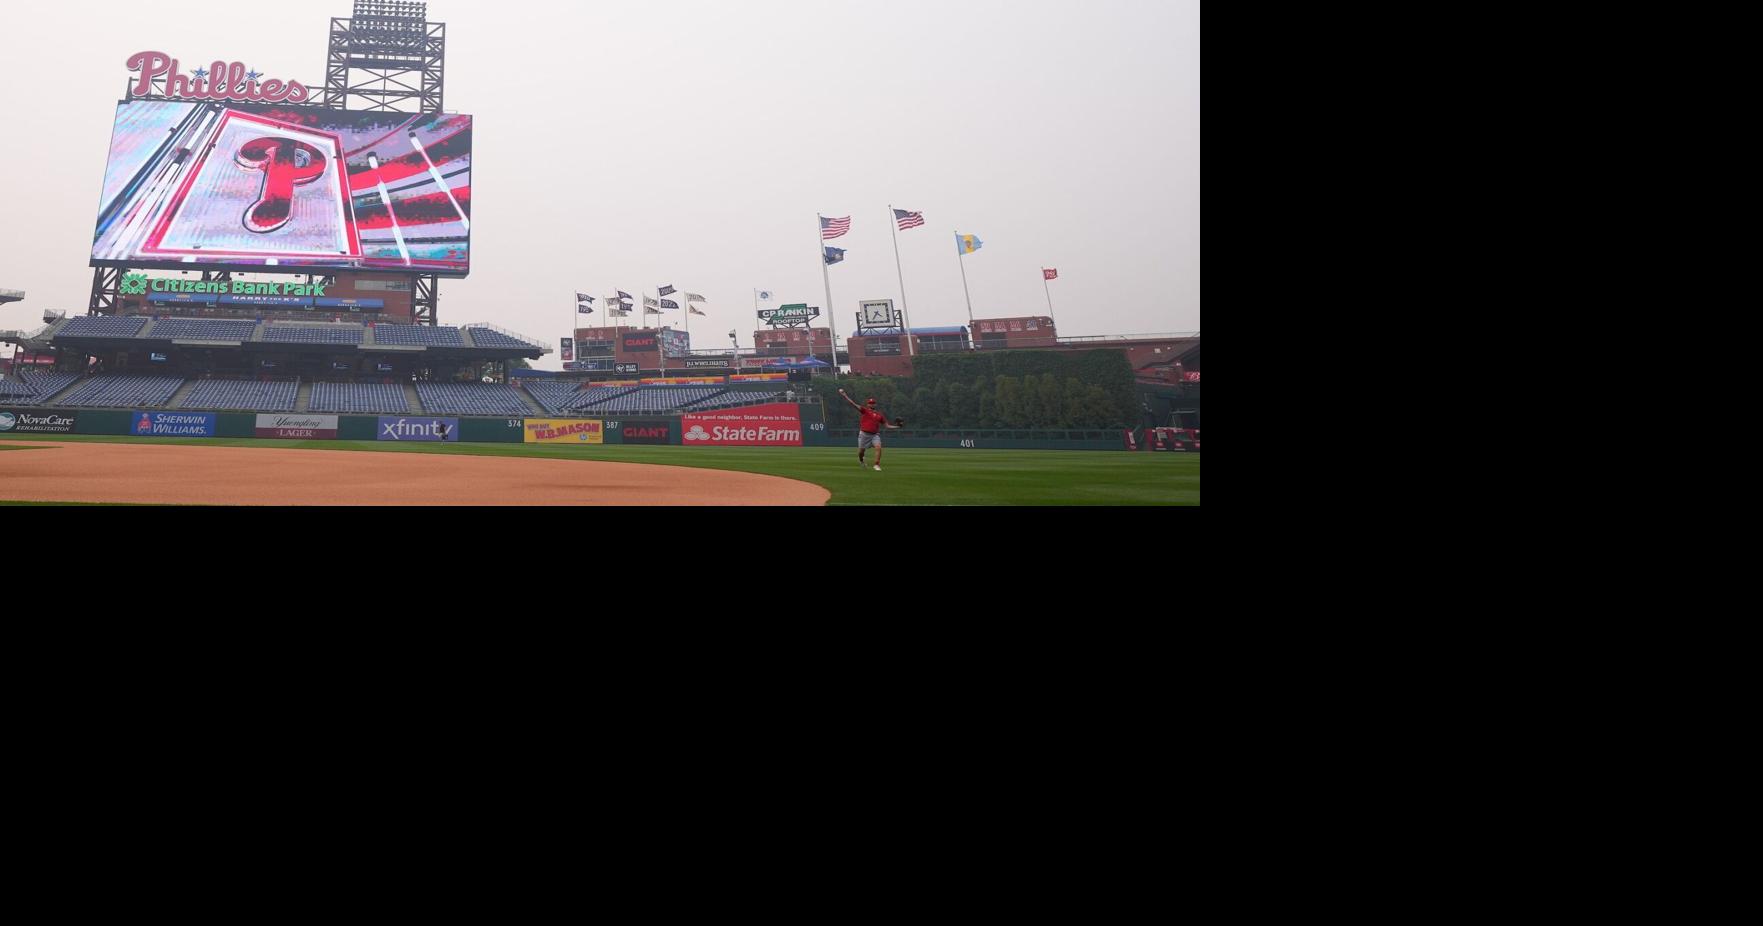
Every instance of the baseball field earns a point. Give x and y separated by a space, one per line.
53 470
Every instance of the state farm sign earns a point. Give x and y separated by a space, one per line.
759 426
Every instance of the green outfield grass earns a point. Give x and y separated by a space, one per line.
908 477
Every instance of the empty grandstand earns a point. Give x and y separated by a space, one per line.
122 392
471 399
102 326
656 400
342 335
419 336
733 399
359 399
229 395
192 329
554 397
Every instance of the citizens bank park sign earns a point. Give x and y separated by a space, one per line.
222 82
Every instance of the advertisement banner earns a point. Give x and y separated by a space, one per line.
297 427
173 424
569 350
646 431
418 430
244 185
1190 377
760 378
777 425
641 344
37 422
677 343
707 364
565 432
626 369
683 381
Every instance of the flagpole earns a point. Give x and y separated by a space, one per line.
894 226
832 314
961 255
1048 286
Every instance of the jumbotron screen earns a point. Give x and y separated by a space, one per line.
255 187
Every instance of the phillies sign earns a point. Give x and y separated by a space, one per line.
220 83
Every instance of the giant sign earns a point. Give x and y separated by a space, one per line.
777 425
252 186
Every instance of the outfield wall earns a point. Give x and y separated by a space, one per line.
756 426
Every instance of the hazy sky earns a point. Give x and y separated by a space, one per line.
631 143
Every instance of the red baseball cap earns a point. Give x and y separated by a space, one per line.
870 402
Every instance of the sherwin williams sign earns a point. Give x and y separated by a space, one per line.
419 430
173 424
297 427
27 423
759 426
565 432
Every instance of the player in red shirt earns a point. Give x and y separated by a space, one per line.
869 430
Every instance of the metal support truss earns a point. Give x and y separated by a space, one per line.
106 291
425 306
387 57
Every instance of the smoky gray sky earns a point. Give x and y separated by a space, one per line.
634 143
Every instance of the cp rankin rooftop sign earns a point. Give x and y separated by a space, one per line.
221 82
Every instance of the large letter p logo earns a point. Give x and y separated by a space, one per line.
286 164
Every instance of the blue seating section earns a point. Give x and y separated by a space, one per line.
15 389
489 337
122 392
193 329
48 384
553 397
734 399
655 400
292 334
472 399
102 326
417 336
358 399
225 395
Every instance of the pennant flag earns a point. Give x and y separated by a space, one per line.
623 296
1051 274
834 256
649 303
584 297
834 228
584 309
694 297
908 219
765 295
669 304
666 291
967 244
694 310
651 310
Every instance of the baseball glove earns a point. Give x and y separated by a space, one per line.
899 422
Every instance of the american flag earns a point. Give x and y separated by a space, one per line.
908 219
834 228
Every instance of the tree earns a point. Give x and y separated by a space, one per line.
963 406
1011 413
